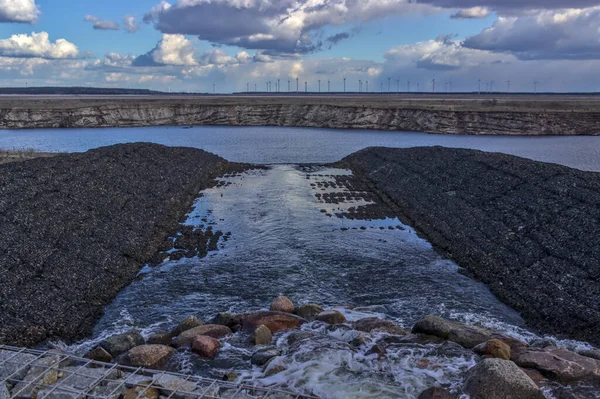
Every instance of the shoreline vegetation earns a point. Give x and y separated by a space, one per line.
452 114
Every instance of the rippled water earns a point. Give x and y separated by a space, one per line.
282 243
304 145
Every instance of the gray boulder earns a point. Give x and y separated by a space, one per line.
558 363
500 379
121 343
185 325
11 362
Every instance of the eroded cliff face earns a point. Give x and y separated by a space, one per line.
311 115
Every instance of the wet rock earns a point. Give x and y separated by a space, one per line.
111 389
205 346
99 354
543 343
461 333
11 363
150 356
535 376
436 393
185 325
39 370
263 356
331 317
141 392
171 383
210 330
231 377
558 363
80 378
451 349
500 379
275 366
378 350
4 394
121 343
374 324
160 338
594 354
309 311
493 348
274 321
282 304
262 335
227 319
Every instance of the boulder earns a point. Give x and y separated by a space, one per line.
160 338
282 304
205 346
185 325
99 354
121 343
150 356
500 379
309 311
594 354
82 378
374 324
141 392
331 317
558 363
171 383
262 357
4 393
274 321
12 362
494 348
227 319
262 335
210 330
436 393
461 333
535 376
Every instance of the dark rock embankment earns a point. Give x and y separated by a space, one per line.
75 229
529 230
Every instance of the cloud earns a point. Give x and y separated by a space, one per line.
19 11
116 77
277 26
100 24
37 45
508 5
130 23
471 13
338 37
562 34
171 50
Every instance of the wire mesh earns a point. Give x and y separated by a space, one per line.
51 374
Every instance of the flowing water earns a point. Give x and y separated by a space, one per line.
285 242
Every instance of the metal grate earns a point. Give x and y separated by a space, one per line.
29 373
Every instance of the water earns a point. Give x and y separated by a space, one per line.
303 145
283 244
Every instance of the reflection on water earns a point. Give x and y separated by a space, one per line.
304 145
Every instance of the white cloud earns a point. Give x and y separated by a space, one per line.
558 34
37 45
116 77
171 50
19 11
471 13
130 23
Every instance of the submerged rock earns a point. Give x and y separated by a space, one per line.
274 321
374 324
494 348
150 356
262 335
160 338
331 317
185 325
263 356
500 379
282 304
227 319
121 343
309 311
436 393
205 346
558 363
210 330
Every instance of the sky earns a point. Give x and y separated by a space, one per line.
236 45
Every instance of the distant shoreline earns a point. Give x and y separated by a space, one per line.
442 114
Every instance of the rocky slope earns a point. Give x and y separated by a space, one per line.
348 115
527 229
75 229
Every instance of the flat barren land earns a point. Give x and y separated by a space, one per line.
447 114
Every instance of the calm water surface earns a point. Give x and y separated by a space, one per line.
303 145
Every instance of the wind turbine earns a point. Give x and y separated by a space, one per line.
479 86
297 83
389 84
508 88
289 85
359 85
214 90
255 88
319 85
344 85
328 86
398 85
306 87
408 87
366 91
278 85
535 83
492 86
433 82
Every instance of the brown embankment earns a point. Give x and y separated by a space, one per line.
464 114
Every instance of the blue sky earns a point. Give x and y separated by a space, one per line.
193 44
